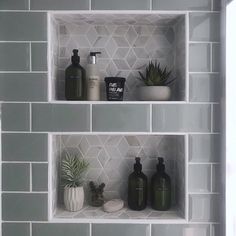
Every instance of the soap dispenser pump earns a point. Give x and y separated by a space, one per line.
137 188
93 78
75 79
160 188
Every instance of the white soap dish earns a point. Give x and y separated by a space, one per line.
113 205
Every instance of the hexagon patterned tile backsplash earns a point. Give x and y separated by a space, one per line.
111 159
127 44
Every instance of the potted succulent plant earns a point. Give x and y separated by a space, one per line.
156 83
72 170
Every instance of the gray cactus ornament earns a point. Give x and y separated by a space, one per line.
96 198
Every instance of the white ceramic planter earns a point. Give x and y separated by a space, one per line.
154 93
73 198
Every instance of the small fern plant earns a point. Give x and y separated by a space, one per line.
72 170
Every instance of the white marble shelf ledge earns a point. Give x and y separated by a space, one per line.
89 212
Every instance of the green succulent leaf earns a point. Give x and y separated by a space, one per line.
155 75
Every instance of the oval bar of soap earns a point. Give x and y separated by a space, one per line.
113 205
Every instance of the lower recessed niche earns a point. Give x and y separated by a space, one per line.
111 159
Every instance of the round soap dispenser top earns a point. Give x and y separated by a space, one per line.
93 57
160 165
137 165
75 58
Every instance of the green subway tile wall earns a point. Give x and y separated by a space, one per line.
28 118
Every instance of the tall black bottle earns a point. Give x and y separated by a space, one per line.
160 188
137 188
75 84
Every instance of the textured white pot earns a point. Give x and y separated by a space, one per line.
73 198
154 93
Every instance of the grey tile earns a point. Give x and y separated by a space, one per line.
217 230
203 5
199 57
216 57
204 88
23 26
15 177
59 5
24 207
118 118
24 147
216 5
217 116
204 148
120 5
199 182
9 56
60 117
181 118
60 229
204 208
217 178
13 229
39 56
204 27
15 117
180 230
120 229
14 4
39 177
23 86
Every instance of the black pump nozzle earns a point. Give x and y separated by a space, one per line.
160 165
75 59
137 165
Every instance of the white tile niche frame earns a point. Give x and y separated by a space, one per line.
111 159
127 40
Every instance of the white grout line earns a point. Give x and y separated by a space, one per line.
115 11
31 177
23 41
211 177
90 229
211 57
23 72
212 118
186 177
197 72
150 118
30 57
30 116
29 5
110 133
204 42
90 5
30 228
150 229
187 44
151 6
204 163
24 162
212 3
50 174
204 193
25 192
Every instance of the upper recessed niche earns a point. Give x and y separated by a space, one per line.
127 42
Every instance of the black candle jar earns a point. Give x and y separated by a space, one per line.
115 88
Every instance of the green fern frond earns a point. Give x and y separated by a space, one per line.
72 170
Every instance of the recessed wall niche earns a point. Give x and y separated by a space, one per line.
127 42
111 159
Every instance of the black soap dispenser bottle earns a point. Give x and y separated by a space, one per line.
75 79
137 188
160 188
